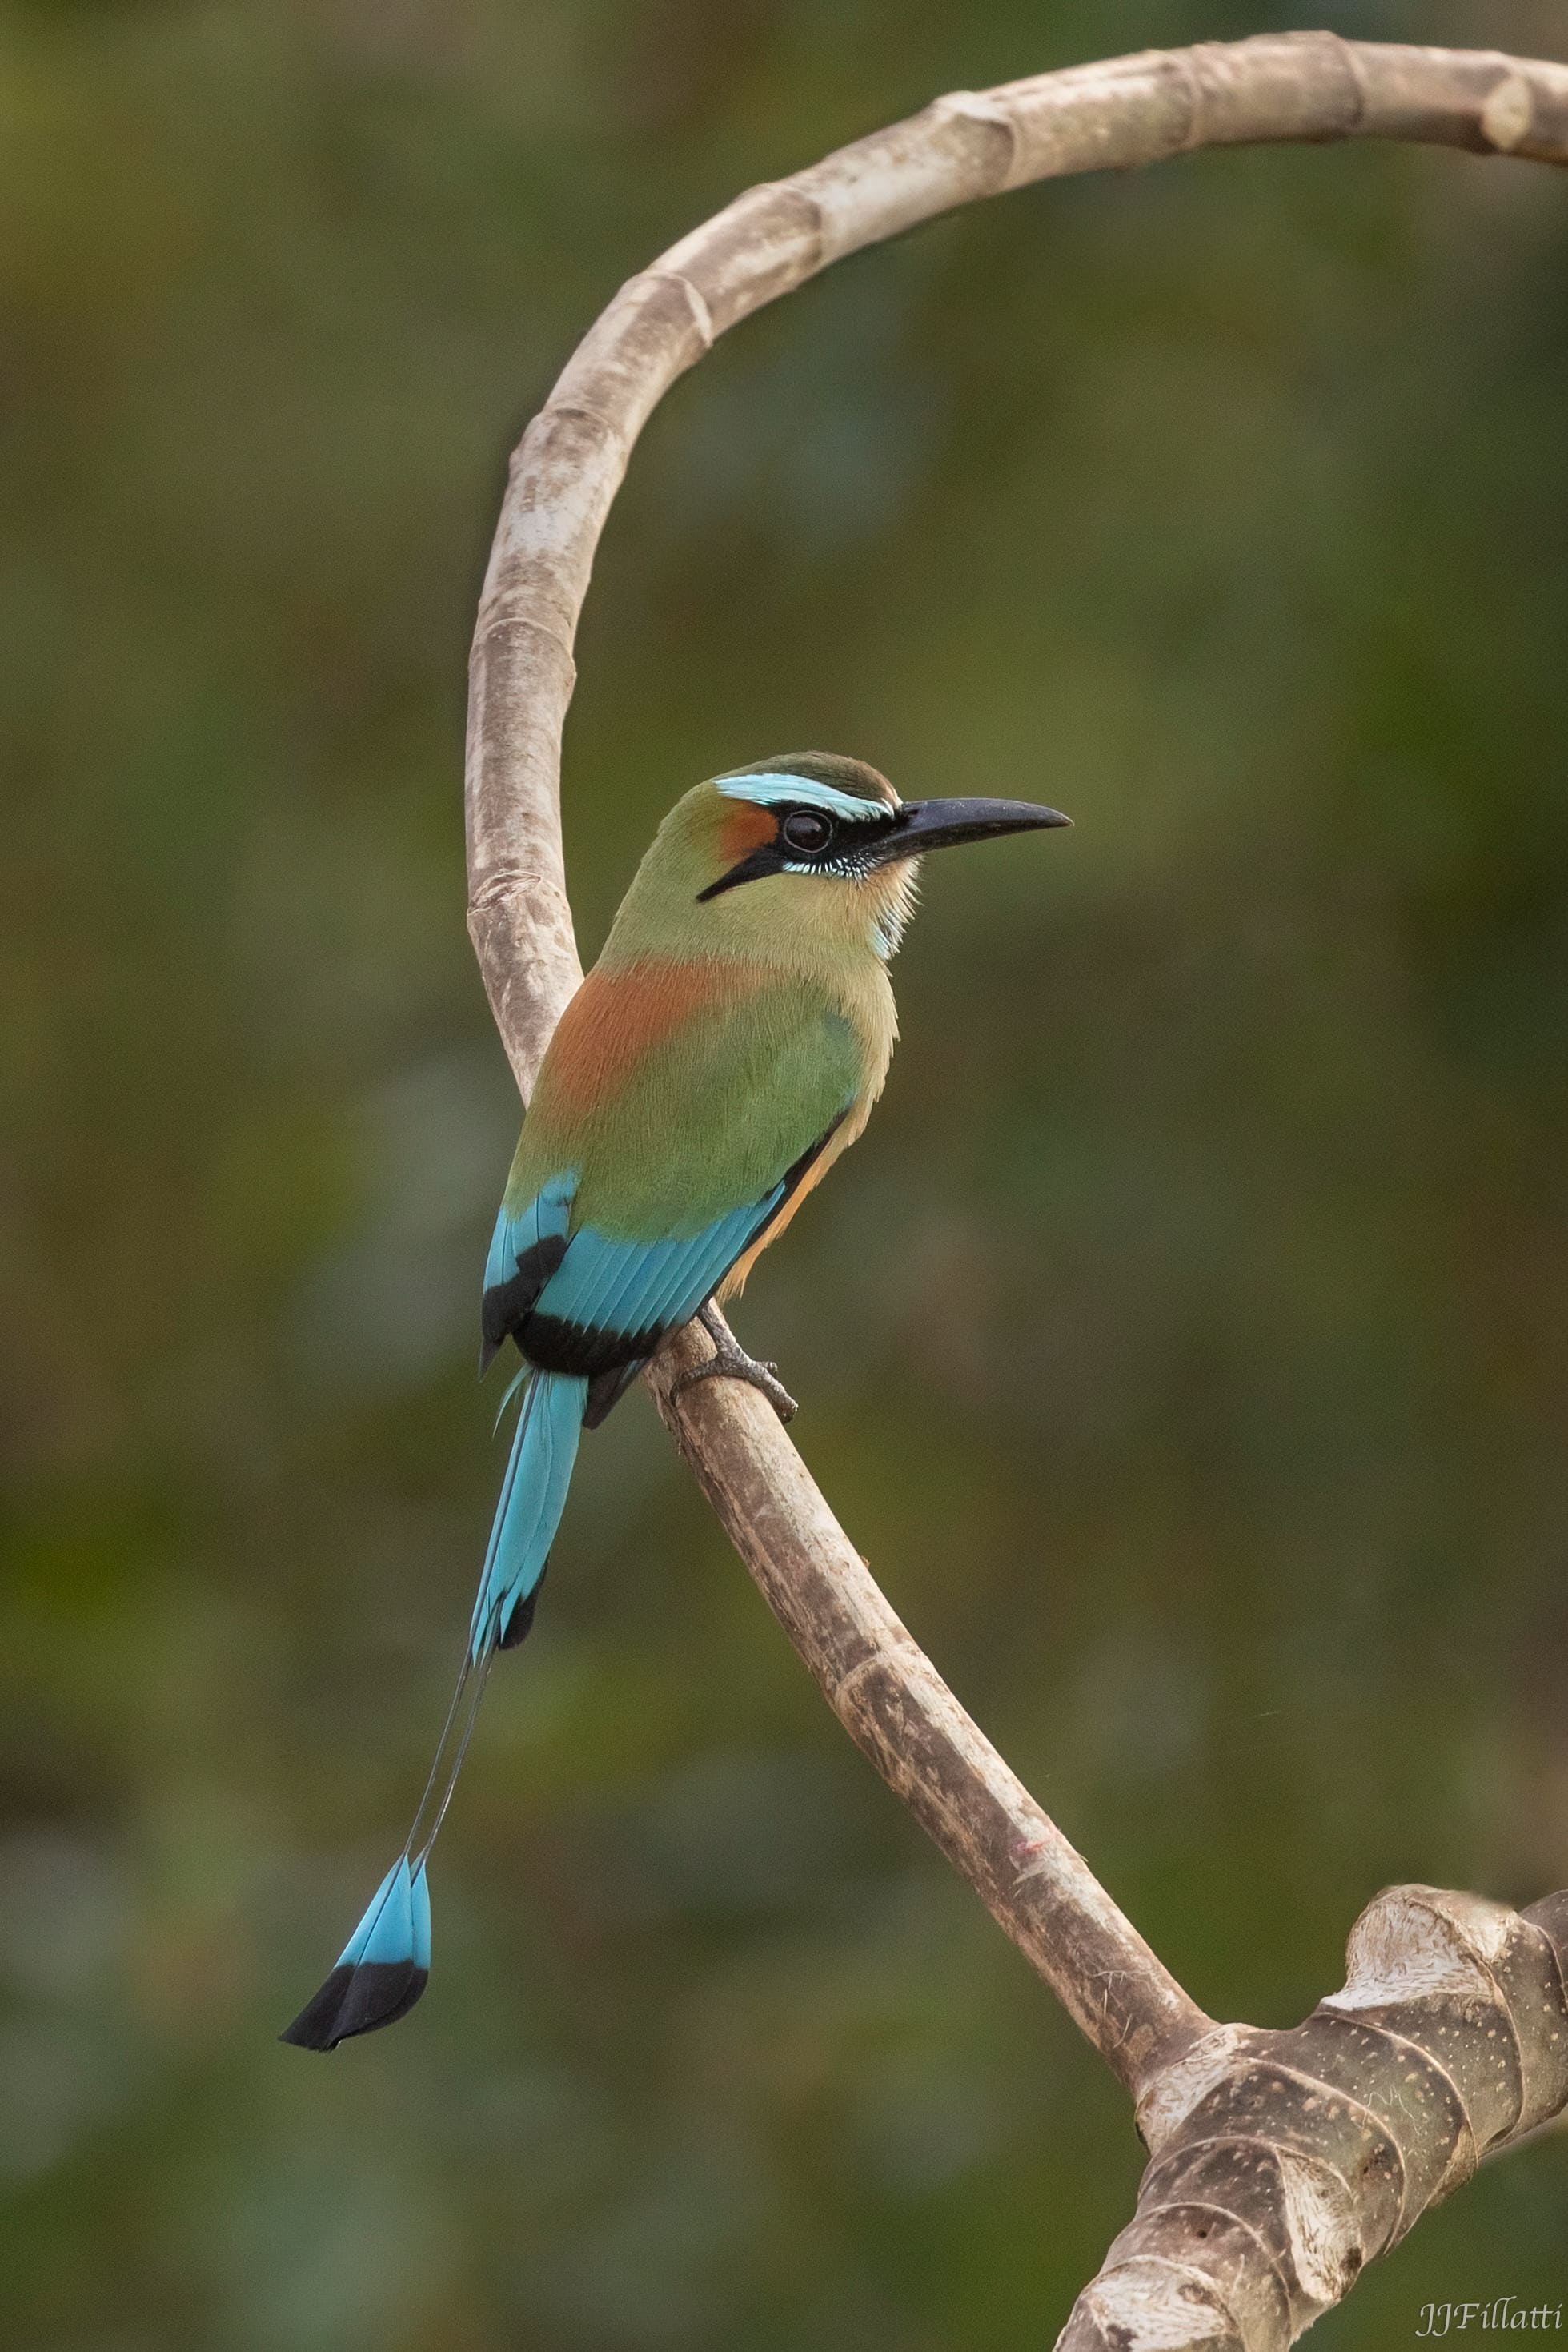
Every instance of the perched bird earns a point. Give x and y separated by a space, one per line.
726 1048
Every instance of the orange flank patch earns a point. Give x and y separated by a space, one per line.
617 1018
735 1280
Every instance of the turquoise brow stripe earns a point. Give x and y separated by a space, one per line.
765 790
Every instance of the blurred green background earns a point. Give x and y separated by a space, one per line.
1185 1343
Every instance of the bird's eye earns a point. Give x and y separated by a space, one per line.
807 831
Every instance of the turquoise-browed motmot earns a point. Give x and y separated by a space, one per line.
726 1048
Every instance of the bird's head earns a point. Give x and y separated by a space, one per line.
806 845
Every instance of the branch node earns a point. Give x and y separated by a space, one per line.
1509 115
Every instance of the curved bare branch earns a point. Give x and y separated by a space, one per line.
1281 2162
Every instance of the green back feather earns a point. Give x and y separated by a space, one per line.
718 1109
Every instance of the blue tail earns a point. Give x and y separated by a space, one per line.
533 1496
385 1965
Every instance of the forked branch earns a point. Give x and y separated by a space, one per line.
1280 2162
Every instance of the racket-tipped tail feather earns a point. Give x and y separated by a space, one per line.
384 1965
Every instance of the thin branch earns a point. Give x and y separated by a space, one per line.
895 1707
1281 2162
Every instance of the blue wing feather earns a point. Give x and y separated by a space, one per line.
604 1284
547 1217
527 1243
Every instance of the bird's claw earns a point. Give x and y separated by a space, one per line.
729 1361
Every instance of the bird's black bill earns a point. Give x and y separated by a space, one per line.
923 825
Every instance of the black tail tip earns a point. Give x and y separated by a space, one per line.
357 1999
520 1624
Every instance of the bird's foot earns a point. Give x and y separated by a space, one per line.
729 1361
